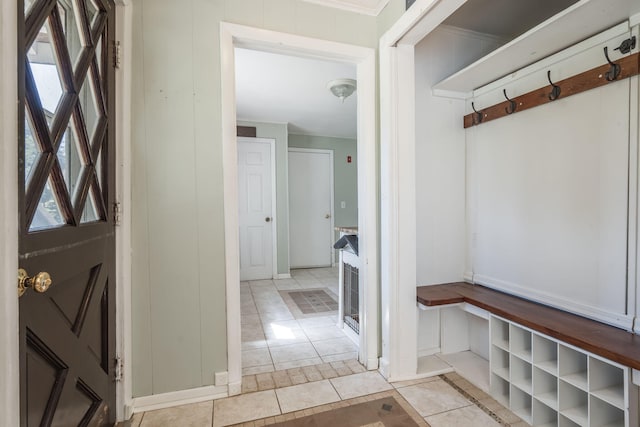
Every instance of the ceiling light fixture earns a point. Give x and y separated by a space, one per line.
342 88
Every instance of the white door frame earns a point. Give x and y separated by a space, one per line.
330 153
398 257
274 219
9 338
232 35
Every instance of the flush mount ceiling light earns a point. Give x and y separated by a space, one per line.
342 88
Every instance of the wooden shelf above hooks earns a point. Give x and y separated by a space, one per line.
591 79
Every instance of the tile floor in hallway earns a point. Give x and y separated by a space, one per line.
441 401
274 338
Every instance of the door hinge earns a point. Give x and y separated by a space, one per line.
117 210
116 54
119 369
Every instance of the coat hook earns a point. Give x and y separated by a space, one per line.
614 70
512 104
555 92
478 116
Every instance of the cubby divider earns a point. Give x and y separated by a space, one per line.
605 415
500 333
572 367
545 354
520 342
573 403
606 382
521 374
543 416
520 404
545 388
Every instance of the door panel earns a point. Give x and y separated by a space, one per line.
310 208
66 170
255 208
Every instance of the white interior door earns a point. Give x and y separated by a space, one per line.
310 207
256 202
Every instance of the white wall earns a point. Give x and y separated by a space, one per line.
179 326
549 193
440 154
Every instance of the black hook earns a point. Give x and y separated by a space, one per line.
478 116
512 104
555 92
614 70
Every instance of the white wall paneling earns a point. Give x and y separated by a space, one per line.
551 193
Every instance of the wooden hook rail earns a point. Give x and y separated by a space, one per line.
629 66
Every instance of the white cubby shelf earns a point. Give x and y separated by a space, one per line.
550 383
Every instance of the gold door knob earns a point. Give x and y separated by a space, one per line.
39 283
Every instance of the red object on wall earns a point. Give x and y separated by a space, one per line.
348 159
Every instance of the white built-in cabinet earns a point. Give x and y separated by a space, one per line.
550 383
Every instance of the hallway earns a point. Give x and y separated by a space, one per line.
279 334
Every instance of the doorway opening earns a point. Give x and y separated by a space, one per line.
234 36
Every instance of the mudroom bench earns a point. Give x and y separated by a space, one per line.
549 366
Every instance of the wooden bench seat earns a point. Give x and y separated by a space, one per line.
604 340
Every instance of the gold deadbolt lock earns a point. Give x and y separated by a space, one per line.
39 283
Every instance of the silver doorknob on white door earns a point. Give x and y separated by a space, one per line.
268 219
327 216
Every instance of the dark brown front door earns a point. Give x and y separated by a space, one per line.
66 176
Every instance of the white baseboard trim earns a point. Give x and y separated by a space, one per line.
283 276
384 367
372 364
614 319
428 351
175 398
468 276
235 388
221 378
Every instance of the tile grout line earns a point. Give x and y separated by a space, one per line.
474 401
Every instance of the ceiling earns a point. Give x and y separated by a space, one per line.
277 88
505 18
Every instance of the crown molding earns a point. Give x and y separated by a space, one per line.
365 7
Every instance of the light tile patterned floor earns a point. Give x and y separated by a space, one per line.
273 339
442 401
297 367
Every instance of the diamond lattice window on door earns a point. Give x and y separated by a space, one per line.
65 113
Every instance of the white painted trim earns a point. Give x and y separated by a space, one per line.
124 346
331 184
352 7
175 398
615 319
220 378
283 276
274 201
634 178
398 210
9 357
233 35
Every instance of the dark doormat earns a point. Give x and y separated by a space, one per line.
310 302
384 412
